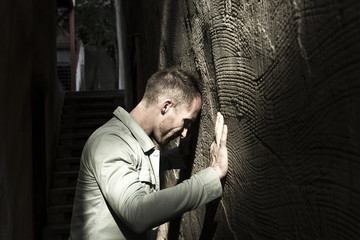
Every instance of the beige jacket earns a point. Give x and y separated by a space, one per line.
117 193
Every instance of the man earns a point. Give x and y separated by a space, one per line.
117 194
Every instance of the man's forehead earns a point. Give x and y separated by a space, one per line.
195 114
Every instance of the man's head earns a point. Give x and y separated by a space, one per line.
179 84
177 95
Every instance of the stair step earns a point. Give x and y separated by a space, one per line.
89 114
67 164
84 122
63 195
91 103
110 102
69 151
65 179
105 94
56 232
59 214
73 138
95 102
78 131
70 147
85 106
91 124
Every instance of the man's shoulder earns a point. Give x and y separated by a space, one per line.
112 141
113 131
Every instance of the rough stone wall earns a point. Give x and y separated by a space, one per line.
286 75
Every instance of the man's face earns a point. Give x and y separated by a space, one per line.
177 121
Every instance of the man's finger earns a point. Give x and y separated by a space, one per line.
224 136
216 126
219 129
216 123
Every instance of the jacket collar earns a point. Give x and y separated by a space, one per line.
144 140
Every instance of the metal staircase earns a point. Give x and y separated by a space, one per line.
83 113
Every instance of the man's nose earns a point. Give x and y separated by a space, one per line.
183 133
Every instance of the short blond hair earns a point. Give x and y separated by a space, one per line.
179 84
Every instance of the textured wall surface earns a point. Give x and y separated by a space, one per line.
286 75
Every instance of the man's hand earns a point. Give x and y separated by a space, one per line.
218 150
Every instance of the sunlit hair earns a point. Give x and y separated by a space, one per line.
178 84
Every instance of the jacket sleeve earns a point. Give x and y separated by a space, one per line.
120 185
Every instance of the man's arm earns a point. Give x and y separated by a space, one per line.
124 192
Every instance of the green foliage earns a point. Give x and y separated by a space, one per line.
95 23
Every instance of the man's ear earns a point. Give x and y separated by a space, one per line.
166 106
